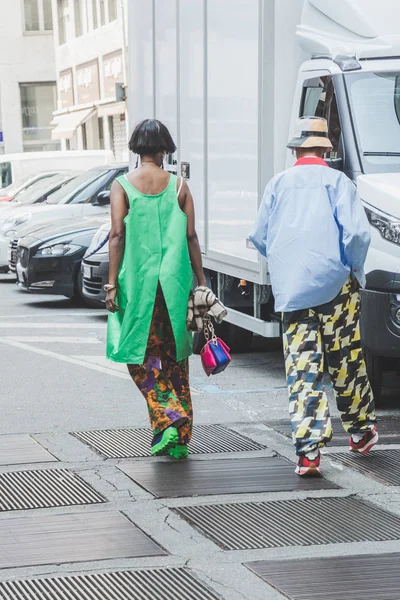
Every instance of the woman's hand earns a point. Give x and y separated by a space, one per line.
111 305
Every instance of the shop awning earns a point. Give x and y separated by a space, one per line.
111 110
67 124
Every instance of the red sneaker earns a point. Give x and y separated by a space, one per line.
307 467
366 443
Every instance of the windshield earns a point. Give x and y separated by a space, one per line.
375 100
38 191
67 193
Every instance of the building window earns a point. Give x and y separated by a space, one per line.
63 16
38 16
84 136
47 15
38 102
102 12
101 134
112 10
78 18
95 19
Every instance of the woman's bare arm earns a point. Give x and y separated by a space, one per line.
193 240
119 210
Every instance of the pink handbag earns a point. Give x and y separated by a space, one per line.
215 355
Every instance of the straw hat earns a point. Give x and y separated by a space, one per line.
311 132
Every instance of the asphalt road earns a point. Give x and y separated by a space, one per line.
56 380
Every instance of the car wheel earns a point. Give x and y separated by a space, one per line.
374 365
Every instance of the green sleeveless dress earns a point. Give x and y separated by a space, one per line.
156 251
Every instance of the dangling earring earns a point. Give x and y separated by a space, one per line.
137 163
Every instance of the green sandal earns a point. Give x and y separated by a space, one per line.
169 439
179 451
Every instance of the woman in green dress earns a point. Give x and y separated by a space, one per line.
154 251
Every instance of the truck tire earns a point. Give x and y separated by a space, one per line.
375 372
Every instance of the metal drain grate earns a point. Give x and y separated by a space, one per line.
71 538
135 443
188 478
382 465
281 523
157 584
375 576
389 431
22 449
44 489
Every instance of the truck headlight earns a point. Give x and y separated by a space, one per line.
58 250
387 225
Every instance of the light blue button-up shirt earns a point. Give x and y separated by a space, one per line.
314 231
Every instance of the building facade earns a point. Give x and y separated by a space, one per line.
28 93
90 51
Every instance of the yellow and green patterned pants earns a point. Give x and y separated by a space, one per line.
332 329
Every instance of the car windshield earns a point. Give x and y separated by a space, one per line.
66 194
39 190
13 187
375 100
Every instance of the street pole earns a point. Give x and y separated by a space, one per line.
125 62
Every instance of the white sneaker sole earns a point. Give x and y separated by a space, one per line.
308 471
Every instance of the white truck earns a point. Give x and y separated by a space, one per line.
229 78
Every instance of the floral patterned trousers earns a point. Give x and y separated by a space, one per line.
162 380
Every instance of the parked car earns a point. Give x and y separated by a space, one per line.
7 194
14 167
79 198
48 259
38 192
95 265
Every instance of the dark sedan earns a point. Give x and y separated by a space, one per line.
48 259
95 267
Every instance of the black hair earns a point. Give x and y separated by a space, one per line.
150 137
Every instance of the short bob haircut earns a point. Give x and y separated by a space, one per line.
151 137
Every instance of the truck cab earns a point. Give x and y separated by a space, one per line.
353 80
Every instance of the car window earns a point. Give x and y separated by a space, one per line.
116 174
39 190
86 194
68 192
5 174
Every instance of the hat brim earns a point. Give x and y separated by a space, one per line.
314 141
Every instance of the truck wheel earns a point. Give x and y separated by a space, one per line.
375 372
238 339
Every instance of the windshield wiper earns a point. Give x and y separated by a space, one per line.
381 153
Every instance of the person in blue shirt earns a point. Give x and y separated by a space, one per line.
313 230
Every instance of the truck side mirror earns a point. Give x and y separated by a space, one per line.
335 163
102 198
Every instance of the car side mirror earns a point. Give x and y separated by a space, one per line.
102 198
335 163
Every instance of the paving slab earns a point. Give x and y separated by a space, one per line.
22 449
44 489
46 540
253 525
381 465
135 443
220 476
375 576
157 584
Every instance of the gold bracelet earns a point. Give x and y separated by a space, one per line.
109 286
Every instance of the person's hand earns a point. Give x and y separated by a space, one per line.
111 305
